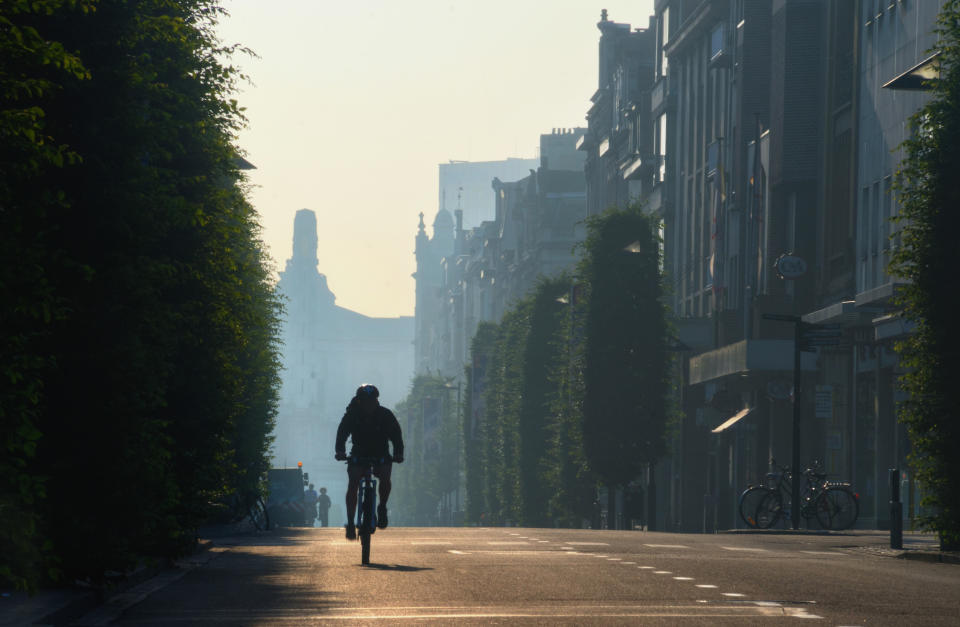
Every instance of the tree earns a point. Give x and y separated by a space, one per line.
626 366
32 65
928 196
431 433
543 354
476 375
147 340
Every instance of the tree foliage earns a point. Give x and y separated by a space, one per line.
626 373
524 464
431 433
141 367
927 222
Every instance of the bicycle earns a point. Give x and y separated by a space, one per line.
366 517
833 503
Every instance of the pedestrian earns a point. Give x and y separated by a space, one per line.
323 507
310 506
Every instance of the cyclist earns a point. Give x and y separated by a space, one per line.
370 426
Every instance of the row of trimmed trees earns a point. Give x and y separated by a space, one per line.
430 475
139 357
571 389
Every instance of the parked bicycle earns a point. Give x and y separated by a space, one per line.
833 503
366 503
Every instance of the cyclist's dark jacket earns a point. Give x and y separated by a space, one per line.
369 433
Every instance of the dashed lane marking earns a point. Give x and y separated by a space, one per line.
705 585
733 594
744 548
510 543
662 572
588 543
667 546
684 578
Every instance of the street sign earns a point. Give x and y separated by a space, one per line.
790 267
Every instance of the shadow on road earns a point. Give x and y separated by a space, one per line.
400 568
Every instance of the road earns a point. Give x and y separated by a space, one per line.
545 576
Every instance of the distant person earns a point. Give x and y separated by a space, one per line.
310 505
370 426
323 508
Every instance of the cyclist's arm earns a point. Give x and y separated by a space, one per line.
395 435
343 431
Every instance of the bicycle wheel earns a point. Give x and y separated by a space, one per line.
770 510
749 504
837 509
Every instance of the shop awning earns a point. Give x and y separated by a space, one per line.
737 417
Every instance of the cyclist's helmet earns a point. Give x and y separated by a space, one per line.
368 390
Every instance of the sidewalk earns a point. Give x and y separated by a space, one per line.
62 606
916 545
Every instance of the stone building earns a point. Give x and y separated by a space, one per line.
469 275
327 352
621 157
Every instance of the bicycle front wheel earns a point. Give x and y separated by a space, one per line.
749 504
770 510
837 509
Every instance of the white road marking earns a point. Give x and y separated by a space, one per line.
542 541
614 559
684 578
744 548
823 552
458 552
662 572
667 546
629 562
588 543
566 548
646 567
732 594
509 542
705 585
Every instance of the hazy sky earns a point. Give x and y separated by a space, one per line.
354 103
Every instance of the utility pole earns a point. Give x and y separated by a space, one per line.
798 326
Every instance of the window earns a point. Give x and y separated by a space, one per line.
716 42
663 35
661 140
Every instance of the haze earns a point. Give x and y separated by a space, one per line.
353 105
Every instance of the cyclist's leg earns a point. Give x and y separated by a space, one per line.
383 472
354 473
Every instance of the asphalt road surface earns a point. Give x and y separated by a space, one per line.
544 577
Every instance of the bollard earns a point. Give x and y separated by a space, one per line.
896 511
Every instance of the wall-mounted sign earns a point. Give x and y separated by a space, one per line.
790 267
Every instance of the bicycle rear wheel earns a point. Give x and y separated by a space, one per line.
837 509
749 504
770 510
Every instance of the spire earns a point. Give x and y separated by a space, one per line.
422 229
305 237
